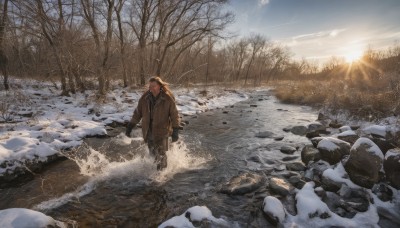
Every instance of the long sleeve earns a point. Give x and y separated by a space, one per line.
173 114
137 114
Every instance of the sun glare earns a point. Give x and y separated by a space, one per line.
353 56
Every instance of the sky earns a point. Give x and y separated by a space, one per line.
319 29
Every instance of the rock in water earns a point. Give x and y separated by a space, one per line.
288 149
296 166
280 186
391 166
274 210
333 150
364 163
299 130
264 134
309 153
242 184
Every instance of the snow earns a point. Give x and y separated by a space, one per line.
196 213
344 128
376 130
374 149
338 174
274 207
60 123
25 218
392 153
330 143
346 133
310 207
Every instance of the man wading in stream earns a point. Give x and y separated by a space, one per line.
159 115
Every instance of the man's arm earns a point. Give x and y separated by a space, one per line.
137 116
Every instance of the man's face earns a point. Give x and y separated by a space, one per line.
154 88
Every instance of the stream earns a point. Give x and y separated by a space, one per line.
110 182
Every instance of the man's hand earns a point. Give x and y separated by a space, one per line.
129 129
175 134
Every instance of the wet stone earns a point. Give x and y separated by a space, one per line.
242 184
264 134
280 167
296 166
299 130
290 158
310 153
279 138
288 149
280 186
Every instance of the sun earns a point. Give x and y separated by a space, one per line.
353 56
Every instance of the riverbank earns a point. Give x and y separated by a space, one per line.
38 126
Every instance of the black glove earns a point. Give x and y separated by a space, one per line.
129 129
175 135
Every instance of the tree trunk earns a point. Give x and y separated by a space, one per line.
3 57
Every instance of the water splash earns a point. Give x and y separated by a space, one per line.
102 169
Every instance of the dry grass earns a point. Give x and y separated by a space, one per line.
366 100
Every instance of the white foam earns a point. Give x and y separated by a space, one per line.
99 168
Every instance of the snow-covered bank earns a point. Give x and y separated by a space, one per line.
41 123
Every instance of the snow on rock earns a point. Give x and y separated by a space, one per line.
313 212
364 163
339 174
376 130
373 148
25 218
391 166
347 133
344 128
193 214
332 149
274 209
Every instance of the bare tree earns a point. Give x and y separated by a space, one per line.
3 57
142 22
183 23
257 42
118 12
90 10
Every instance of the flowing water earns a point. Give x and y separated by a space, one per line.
112 182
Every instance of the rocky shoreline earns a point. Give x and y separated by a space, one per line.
343 171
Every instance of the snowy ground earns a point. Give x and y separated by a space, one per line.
41 123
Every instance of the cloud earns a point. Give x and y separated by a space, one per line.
263 2
317 35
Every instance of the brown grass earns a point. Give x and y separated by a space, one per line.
364 100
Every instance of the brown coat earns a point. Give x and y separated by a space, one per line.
165 116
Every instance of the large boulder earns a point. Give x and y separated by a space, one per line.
364 163
333 150
280 186
391 166
273 210
310 153
242 184
348 136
